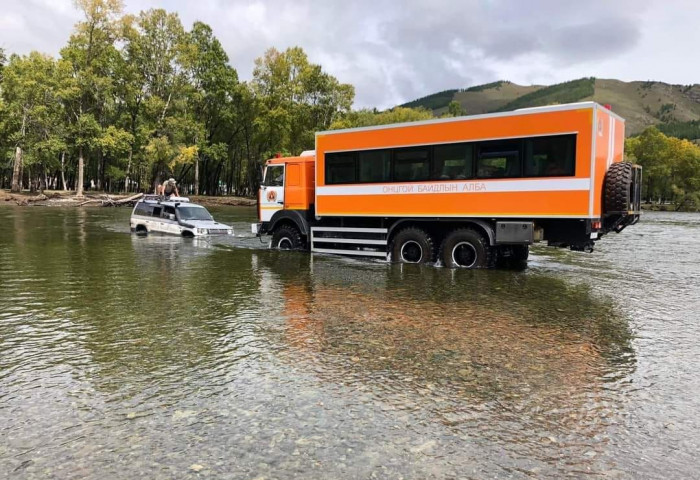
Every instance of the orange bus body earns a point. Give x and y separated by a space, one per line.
599 142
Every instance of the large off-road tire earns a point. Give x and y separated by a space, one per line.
287 237
466 248
412 245
618 187
141 230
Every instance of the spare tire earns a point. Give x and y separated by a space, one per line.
618 187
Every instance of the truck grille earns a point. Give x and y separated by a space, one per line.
218 231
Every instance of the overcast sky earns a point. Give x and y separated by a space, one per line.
396 51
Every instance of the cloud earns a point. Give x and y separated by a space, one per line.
397 51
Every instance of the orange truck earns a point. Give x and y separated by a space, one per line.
467 192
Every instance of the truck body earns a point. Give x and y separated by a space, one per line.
467 191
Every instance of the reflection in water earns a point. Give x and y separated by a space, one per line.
122 356
528 356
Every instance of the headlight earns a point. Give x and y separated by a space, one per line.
202 231
230 231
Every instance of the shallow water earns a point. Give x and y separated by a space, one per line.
159 357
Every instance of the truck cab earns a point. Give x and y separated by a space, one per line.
286 197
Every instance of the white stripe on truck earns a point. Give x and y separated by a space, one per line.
470 186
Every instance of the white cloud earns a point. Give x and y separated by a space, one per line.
397 51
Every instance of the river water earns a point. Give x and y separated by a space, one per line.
159 357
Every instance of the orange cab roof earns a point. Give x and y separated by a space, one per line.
305 159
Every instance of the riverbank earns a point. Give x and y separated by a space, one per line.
666 207
52 198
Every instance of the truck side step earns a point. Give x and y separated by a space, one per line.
368 242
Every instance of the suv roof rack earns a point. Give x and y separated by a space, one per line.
161 198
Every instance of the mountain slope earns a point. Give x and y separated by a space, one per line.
675 108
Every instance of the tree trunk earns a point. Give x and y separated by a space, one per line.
81 165
196 175
17 171
128 171
63 171
43 179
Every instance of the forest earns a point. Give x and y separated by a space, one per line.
134 99
671 168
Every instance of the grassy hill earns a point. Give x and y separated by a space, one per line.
674 108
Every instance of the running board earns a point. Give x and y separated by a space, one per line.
366 242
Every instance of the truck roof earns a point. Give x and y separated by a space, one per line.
522 111
300 159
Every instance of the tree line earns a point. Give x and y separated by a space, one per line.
671 168
134 99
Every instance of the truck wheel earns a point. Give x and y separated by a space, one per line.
141 230
287 237
618 187
412 245
466 248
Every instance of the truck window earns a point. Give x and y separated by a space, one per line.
550 156
411 164
374 166
274 176
453 162
340 168
500 159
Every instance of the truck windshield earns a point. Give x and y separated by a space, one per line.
194 213
274 176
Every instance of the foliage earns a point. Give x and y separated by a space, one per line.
566 92
366 117
687 130
671 167
454 109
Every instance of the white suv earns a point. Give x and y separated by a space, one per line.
176 216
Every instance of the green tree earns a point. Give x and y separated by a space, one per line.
671 167
92 55
454 109
211 95
296 99
33 113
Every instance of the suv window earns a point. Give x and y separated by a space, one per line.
167 211
143 209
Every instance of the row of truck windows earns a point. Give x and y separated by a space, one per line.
552 156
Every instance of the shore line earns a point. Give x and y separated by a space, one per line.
51 198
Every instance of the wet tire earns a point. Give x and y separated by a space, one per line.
618 187
141 230
466 248
287 237
412 245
